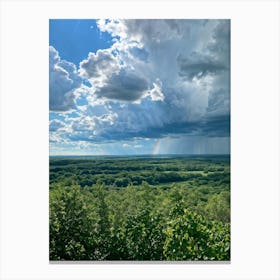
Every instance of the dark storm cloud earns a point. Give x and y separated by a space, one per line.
211 127
198 66
221 40
124 86
218 126
212 58
218 102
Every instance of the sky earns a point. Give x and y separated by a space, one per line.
139 86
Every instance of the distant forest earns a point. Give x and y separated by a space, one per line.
140 208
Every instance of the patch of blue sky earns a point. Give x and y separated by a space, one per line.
73 114
141 54
87 83
56 116
81 101
61 117
75 38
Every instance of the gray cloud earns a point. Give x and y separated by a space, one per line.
178 51
218 102
98 66
220 43
111 79
125 87
213 57
139 53
198 66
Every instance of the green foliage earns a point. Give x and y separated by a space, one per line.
218 207
137 220
121 172
144 236
72 223
190 237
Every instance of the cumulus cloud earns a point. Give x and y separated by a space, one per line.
90 127
156 93
198 66
83 123
159 78
111 79
139 53
99 67
218 102
113 26
124 86
186 65
125 145
63 81
55 125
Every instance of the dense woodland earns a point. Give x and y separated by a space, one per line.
140 208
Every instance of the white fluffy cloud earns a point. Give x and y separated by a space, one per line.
55 125
99 67
111 78
63 81
156 93
185 62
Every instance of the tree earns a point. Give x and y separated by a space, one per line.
71 225
190 237
218 207
102 223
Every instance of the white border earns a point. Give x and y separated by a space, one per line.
254 138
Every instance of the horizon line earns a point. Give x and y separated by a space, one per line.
125 155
